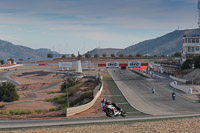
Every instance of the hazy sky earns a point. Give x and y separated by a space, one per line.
68 26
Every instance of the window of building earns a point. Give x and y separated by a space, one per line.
193 40
189 40
189 49
197 40
193 49
197 48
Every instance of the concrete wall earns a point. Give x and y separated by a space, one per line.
142 73
75 110
178 79
181 87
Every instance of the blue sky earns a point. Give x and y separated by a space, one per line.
69 26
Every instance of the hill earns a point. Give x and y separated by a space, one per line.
9 50
167 44
101 51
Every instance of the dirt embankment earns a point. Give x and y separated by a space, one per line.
187 125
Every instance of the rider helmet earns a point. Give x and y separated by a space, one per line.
102 100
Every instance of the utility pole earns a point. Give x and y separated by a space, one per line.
67 93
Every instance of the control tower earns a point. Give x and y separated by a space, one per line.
199 12
191 44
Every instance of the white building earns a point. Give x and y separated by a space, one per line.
191 46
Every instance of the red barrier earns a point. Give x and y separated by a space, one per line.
42 64
143 65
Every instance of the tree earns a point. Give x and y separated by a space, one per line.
2 62
155 55
163 55
96 56
187 64
70 82
138 55
177 54
130 56
73 55
88 55
64 56
20 59
8 92
28 58
79 55
112 55
104 55
121 55
49 55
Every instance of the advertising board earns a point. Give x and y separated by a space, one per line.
134 64
65 64
112 64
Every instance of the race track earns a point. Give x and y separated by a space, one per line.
137 91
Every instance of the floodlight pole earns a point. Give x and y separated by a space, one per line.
67 93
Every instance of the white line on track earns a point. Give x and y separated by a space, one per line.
159 76
111 95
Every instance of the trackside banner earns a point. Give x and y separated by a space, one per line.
65 64
134 64
112 64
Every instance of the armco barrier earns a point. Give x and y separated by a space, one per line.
8 67
142 73
179 87
76 110
178 79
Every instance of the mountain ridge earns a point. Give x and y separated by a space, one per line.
9 50
166 44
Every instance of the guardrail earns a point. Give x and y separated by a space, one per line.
178 79
75 110
8 67
180 87
142 73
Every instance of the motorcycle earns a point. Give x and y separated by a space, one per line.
112 111
173 96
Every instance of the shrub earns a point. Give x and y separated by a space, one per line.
38 111
70 82
16 112
20 112
2 106
53 109
8 92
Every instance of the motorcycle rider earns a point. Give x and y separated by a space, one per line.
107 102
153 90
173 95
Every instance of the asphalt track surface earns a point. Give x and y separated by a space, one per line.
137 91
3 76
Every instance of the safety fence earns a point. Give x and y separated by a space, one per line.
96 92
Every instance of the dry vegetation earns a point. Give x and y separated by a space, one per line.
37 86
187 125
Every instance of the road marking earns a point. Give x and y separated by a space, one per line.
159 76
132 112
122 103
112 95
